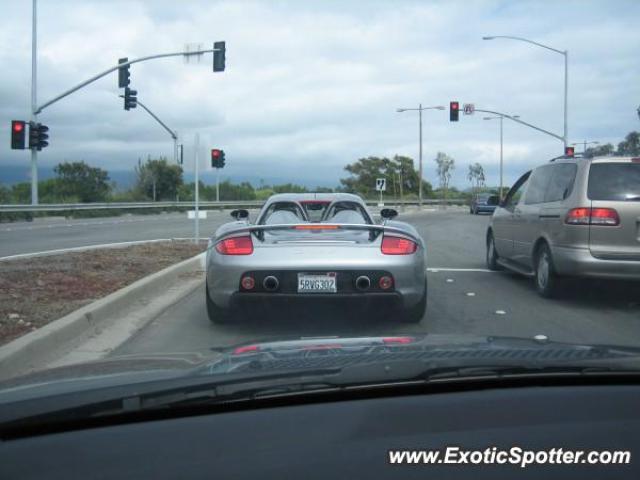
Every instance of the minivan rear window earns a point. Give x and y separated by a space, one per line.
614 181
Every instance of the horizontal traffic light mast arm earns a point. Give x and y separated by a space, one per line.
173 134
116 67
523 123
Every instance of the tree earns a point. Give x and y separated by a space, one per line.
630 146
599 151
402 177
79 181
363 175
445 165
476 176
158 180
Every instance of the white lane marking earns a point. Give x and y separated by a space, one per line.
500 312
438 269
450 280
471 294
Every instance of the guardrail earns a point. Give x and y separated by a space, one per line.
60 207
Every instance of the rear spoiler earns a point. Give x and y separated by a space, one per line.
374 229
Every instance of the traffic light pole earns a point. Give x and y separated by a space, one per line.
113 69
34 101
173 134
217 184
35 109
517 120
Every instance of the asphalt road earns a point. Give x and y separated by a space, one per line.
463 298
58 233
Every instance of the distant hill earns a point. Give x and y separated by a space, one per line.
124 179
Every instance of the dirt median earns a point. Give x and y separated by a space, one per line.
36 291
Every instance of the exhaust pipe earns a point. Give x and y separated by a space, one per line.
363 283
270 283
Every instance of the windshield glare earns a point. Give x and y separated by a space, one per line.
244 186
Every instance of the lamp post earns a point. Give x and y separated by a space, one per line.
420 109
501 118
566 74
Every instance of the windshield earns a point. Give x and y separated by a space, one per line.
225 187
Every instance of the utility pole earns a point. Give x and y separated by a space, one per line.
501 154
196 158
501 118
34 99
419 109
420 167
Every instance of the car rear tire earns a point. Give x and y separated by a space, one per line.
216 314
492 254
547 282
414 314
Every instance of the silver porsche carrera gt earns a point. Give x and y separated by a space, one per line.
316 249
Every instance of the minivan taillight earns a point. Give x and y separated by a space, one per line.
606 217
397 246
235 246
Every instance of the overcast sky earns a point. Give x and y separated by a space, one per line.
312 86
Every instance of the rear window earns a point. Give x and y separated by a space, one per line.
614 181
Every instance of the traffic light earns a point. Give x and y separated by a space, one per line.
123 74
569 151
38 136
219 56
18 134
130 99
217 158
454 111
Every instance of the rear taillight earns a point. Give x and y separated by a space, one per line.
397 246
235 246
607 217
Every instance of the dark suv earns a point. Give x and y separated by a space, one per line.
483 203
572 216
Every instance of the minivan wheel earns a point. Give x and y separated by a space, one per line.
492 255
546 279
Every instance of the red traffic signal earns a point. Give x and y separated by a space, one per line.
217 158
18 134
569 151
454 111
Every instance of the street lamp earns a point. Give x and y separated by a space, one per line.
566 73
501 118
420 109
585 143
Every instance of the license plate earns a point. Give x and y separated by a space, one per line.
316 283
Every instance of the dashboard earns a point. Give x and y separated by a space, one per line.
348 439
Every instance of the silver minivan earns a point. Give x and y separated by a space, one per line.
570 217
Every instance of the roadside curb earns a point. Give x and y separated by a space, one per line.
36 349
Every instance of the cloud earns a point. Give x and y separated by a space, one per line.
310 87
